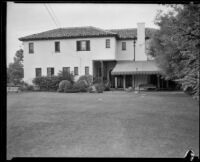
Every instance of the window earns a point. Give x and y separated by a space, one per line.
86 70
75 70
50 71
66 69
57 46
123 45
83 45
31 48
38 72
107 43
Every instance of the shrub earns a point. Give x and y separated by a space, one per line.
107 85
64 85
82 85
72 90
99 87
47 83
26 87
87 78
64 75
92 89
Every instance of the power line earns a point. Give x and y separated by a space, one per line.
51 16
54 15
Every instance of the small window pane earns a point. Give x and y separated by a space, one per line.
38 72
86 70
50 72
57 46
123 45
31 48
75 70
83 45
107 43
66 69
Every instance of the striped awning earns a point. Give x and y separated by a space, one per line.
135 67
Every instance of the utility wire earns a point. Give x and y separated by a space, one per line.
54 15
51 16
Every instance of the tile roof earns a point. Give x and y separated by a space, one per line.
131 33
83 32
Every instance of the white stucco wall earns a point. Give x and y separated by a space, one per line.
45 56
128 54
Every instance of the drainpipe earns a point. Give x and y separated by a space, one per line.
134 41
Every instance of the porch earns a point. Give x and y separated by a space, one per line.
136 73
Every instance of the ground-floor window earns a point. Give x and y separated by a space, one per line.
75 70
38 72
86 70
50 71
66 69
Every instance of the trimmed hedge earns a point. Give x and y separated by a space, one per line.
47 83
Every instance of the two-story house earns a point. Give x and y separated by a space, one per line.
117 55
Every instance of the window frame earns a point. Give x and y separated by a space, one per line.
79 45
36 72
31 50
51 74
123 46
108 43
76 70
57 50
87 67
67 69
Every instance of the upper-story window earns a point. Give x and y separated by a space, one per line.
107 43
50 71
31 48
57 46
38 72
83 45
123 45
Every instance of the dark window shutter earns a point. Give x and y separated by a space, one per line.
88 45
52 71
78 45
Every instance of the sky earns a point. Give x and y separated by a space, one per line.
25 19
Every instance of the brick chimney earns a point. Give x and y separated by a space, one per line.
140 43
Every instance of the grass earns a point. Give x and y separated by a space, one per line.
111 124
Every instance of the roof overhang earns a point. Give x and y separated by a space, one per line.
135 67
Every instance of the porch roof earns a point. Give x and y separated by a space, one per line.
135 67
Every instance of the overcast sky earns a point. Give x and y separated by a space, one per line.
25 19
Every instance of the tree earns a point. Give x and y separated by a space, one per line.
15 70
176 45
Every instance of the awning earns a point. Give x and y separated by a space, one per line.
135 67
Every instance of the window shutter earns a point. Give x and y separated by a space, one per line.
78 45
48 72
52 71
88 45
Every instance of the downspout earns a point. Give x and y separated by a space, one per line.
134 40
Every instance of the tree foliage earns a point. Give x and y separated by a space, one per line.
176 45
15 70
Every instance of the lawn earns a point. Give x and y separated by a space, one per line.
111 124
